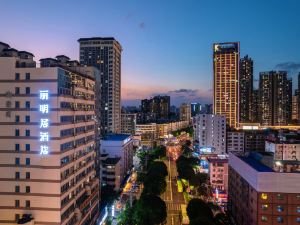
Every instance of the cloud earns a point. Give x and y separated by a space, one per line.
288 66
142 25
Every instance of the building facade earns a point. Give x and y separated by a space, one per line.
284 150
246 88
156 109
259 195
295 107
226 58
275 96
255 107
185 112
210 131
105 54
47 162
111 172
128 123
235 142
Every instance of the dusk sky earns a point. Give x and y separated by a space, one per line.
167 44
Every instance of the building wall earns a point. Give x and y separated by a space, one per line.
284 151
50 174
128 123
218 173
235 142
210 131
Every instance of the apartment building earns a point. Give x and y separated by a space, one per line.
218 172
128 123
235 142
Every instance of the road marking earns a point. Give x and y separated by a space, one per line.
170 175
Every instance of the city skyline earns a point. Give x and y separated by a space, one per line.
177 29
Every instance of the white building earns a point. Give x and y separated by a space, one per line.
284 151
235 142
119 145
47 136
210 131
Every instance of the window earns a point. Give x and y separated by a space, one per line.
298 209
27 90
27 175
280 196
17 176
27 76
17 76
17 104
17 161
264 196
280 208
27 133
27 189
27 161
27 119
264 207
17 189
27 147
27 203
17 132
298 219
27 104
17 147
17 217
17 90
17 119
17 203
264 218
280 219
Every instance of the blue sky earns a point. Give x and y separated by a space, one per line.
167 44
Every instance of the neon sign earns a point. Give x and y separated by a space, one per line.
44 122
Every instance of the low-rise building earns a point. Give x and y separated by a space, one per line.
284 151
148 134
119 145
260 195
218 172
235 142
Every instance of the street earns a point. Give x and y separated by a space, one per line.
172 197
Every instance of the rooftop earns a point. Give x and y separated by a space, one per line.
255 164
97 38
111 161
116 137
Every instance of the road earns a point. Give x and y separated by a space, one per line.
172 197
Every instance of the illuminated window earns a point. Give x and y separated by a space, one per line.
280 196
264 218
264 196
298 209
264 207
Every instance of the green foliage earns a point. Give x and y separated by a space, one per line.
126 217
150 210
185 167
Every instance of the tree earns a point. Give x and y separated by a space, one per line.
197 209
155 185
126 217
158 168
150 210
221 219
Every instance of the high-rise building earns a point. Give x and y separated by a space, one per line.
226 58
156 109
47 151
246 88
210 131
105 54
295 107
195 109
259 193
255 106
275 98
185 112
128 123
